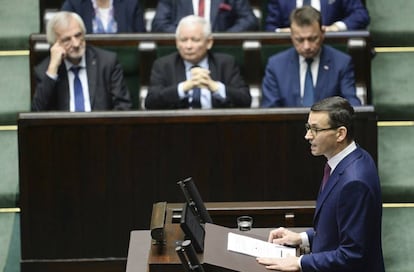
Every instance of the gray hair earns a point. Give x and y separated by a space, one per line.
61 19
194 19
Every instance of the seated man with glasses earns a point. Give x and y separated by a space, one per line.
77 77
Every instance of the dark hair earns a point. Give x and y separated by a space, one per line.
340 113
305 16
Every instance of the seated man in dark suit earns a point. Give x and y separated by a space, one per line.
108 16
193 77
309 71
77 77
338 15
224 15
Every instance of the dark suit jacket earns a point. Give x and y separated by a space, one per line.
128 14
107 88
351 12
347 221
281 83
169 70
225 15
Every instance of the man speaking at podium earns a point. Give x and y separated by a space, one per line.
346 235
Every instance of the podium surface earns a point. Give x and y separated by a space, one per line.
144 256
218 258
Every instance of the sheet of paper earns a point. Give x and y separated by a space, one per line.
257 248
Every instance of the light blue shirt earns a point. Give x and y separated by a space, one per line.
205 98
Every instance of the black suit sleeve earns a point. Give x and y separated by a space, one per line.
224 68
45 97
166 73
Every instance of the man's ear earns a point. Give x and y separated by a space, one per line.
210 43
341 133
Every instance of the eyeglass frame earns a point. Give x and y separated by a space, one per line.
315 130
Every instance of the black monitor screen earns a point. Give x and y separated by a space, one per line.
192 228
194 200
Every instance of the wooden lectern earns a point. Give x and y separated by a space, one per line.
163 257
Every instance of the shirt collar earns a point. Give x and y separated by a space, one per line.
69 64
203 64
335 160
315 59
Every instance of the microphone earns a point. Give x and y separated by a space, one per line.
188 257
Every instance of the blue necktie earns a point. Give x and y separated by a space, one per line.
309 89
306 2
196 103
78 90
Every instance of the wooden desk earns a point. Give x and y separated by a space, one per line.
138 252
162 258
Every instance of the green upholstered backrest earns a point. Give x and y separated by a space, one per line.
391 22
392 85
18 19
129 58
14 88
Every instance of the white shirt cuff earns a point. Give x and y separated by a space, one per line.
341 26
299 262
180 89
305 239
54 77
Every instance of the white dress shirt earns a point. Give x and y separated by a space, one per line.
84 80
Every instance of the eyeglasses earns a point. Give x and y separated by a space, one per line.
315 130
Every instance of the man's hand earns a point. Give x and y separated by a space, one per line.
284 30
281 264
331 28
283 236
57 54
200 78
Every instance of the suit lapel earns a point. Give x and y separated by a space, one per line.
333 181
291 4
180 69
293 69
323 75
212 66
185 7
215 4
92 74
324 7
64 98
